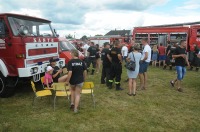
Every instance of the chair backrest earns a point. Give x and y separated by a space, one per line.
88 85
42 80
33 86
60 86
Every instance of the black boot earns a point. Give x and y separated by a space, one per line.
170 67
191 68
110 86
92 72
197 69
118 88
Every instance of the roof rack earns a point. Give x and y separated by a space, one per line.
171 25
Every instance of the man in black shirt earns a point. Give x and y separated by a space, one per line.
106 64
57 72
195 61
115 58
92 51
181 58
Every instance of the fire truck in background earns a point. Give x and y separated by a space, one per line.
26 45
102 39
169 33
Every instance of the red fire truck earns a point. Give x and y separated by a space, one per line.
172 33
26 45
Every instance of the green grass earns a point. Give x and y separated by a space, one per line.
159 108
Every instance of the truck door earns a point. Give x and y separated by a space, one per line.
194 37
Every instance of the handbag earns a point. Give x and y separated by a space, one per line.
131 64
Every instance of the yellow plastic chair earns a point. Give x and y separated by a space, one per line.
42 81
88 89
41 93
61 90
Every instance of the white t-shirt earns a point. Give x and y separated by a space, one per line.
147 48
85 48
124 51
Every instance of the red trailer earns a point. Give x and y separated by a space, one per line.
172 33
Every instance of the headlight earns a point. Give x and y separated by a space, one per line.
31 71
35 70
61 62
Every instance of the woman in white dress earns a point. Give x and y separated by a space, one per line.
132 75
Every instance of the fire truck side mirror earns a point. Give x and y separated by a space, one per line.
2 28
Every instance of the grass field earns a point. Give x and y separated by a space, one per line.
159 108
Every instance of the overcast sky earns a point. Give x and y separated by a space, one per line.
91 17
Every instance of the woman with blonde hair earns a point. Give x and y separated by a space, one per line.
154 55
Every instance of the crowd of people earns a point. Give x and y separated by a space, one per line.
113 56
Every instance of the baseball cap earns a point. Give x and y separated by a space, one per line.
52 60
49 68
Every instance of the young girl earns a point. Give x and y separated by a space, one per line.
154 55
48 80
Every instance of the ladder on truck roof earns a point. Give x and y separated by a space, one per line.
172 25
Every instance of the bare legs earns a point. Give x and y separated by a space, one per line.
132 86
154 63
143 80
62 79
75 96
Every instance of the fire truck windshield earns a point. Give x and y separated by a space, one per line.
66 46
35 27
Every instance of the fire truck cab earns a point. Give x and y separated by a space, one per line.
26 45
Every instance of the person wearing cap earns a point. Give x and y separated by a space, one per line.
57 72
48 80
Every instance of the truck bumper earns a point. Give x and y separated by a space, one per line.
37 69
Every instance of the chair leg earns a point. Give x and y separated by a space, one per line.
33 100
54 106
93 100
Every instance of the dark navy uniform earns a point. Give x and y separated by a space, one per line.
116 68
106 66
92 58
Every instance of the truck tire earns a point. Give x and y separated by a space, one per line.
6 90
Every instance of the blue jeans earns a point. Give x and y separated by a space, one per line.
181 70
143 67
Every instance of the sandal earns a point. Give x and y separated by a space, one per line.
129 94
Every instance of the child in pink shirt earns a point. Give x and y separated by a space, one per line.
48 80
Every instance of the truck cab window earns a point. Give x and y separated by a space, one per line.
3 28
35 28
198 31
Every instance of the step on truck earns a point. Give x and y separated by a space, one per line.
26 46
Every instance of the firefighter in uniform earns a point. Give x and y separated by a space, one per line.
116 65
92 51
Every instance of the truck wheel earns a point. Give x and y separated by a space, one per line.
5 90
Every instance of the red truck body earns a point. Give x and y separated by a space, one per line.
26 45
173 33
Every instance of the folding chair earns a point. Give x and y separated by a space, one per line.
61 90
41 93
88 89
42 81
